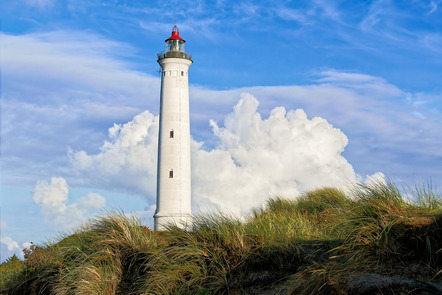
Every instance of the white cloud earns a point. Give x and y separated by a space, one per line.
58 87
347 78
52 197
433 6
376 116
26 245
127 161
254 158
292 15
10 243
70 64
376 178
328 9
432 41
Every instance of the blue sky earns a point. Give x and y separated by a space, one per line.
311 92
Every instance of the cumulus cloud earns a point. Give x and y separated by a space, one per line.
378 117
254 158
127 160
52 197
10 243
283 155
376 178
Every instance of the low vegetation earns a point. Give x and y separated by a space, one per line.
372 240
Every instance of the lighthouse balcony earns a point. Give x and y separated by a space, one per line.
174 54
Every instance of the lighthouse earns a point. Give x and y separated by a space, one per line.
173 178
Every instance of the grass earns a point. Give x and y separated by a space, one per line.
10 269
311 245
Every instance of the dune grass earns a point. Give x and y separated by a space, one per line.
310 245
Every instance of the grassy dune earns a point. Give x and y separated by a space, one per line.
372 240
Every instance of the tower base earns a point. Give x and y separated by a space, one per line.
164 222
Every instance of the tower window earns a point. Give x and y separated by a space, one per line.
171 173
182 73
171 133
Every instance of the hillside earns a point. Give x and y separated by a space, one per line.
370 241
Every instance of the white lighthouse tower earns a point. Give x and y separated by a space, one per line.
173 179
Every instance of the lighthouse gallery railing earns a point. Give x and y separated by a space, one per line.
175 54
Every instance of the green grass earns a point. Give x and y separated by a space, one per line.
310 245
9 270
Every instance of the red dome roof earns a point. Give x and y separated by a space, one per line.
175 35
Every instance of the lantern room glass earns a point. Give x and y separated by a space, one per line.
174 45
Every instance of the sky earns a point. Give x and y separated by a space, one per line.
285 96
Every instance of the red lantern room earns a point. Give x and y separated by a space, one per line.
175 42
175 46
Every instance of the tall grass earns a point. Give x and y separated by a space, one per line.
9 270
380 230
106 256
310 245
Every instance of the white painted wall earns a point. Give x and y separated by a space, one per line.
174 194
